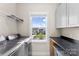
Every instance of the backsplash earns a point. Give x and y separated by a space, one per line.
71 33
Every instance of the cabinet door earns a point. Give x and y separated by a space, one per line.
61 16
52 48
73 14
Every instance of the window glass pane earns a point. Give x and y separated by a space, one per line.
38 21
39 27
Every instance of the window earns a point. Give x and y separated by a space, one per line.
38 27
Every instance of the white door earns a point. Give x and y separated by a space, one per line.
73 14
61 16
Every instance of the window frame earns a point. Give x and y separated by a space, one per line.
41 14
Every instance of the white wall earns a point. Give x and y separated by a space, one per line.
71 32
23 11
7 25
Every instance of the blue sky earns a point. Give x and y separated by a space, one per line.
38 21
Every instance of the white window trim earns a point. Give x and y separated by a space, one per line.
39 13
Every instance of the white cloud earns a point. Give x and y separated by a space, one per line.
43 25
44 20
37 25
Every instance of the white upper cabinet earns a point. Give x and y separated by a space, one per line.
61 16
73 14
67 15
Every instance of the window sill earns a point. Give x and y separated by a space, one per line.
40 40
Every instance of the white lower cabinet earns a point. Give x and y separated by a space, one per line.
40 49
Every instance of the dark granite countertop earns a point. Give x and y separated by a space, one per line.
69 46
8 44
